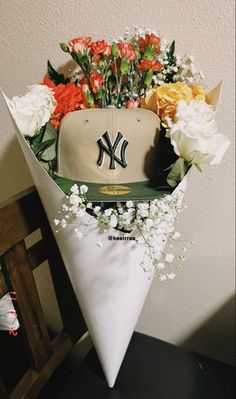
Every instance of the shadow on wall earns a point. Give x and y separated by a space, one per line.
216 337
67 68
14 174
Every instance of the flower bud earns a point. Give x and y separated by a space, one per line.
124 66
149 53
64 47
89 99
114 50
148 78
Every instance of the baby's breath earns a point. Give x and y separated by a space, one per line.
152 223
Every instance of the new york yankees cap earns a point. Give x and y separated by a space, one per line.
112 151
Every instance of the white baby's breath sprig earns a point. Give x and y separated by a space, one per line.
150 221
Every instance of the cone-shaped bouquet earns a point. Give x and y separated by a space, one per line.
112 180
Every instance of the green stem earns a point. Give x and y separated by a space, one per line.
118 83
87 76
131 81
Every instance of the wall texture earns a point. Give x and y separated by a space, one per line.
196 309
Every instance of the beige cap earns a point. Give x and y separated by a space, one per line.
108 146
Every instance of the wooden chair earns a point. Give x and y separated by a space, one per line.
20 217
151 369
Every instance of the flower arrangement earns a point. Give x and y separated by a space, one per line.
139 70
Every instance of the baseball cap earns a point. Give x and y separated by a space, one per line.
112 151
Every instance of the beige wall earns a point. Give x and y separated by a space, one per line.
195 310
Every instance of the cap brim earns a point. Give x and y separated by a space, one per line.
140 191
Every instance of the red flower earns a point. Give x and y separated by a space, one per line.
126 50
96 80
80 43
149 40
100 47
69 98
48 82
149 65
84 84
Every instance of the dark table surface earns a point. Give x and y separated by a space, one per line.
153 369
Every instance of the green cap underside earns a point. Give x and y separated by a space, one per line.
140 191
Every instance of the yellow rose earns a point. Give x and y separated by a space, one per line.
198 93
149 101
168 95
164 99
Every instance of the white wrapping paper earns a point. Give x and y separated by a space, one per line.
109 283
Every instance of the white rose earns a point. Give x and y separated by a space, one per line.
194 134
33 110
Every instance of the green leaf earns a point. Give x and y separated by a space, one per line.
182 168
42 146
82 57
52 164
171 49
177 172
50 134
36 140
55 77
64 47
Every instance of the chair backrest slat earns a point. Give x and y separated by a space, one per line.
37 254
19 272
3 286
18 220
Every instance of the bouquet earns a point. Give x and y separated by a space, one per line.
136 108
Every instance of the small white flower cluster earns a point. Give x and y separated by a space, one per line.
150 221
74 208
182 69
187 71
169 66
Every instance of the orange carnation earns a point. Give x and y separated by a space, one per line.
96 80
69 98
80 43
149 40
100 47
126 50
149 65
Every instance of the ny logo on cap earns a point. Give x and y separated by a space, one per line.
110 149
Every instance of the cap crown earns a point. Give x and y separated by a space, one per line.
108 146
